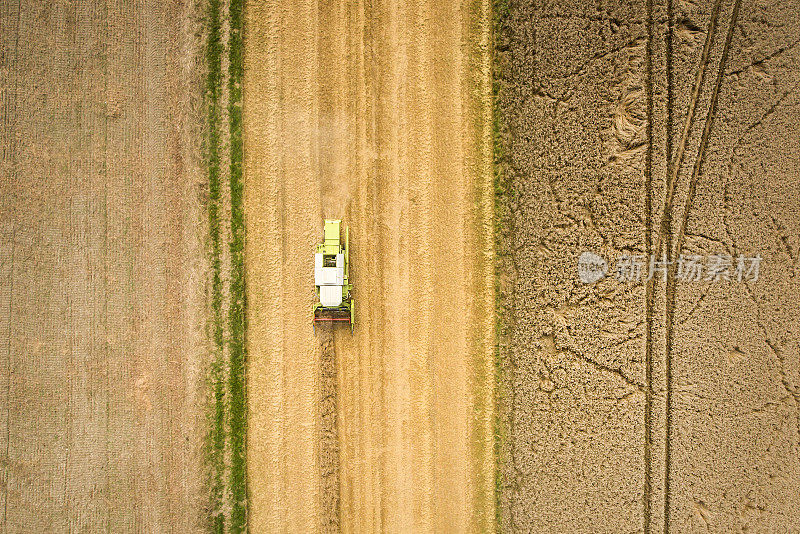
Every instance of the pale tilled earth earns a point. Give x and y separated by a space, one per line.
102 268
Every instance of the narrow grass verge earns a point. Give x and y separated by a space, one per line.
226 444
237 318
216 438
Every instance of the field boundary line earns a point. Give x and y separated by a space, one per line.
649 296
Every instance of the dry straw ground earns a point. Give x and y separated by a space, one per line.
376 113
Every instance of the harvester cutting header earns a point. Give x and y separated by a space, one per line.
332 276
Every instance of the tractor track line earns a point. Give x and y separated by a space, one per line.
665 229
710 118
670 289
106 267
676 162
668 52
648 409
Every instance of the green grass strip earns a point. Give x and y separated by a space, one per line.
217 429
237 317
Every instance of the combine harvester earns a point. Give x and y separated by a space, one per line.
331 277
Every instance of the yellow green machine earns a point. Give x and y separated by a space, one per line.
332 276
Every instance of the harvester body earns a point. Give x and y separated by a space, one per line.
332 276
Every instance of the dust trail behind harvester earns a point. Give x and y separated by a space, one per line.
376 113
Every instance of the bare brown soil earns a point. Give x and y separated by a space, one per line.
102 268
376 113
669 407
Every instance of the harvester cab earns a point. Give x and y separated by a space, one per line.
332 277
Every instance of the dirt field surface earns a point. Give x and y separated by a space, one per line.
102 268
376 113
663 406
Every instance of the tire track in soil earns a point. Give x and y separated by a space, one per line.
672 269
665 239
709 124
676 162
367 112
649 290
